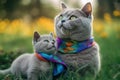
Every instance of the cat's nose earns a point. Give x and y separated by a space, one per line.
63 21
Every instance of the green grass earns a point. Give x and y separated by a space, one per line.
15 42
109 47
13 46
110 59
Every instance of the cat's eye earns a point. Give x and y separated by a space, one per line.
46 41
73 17
61 17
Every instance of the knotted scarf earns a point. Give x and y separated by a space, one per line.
71 46
59 65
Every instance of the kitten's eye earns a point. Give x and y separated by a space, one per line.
46 41
54 41
73 17
61 17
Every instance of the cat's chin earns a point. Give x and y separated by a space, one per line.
64 31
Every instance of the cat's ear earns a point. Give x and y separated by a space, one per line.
87 9
36 36
51 34
63 6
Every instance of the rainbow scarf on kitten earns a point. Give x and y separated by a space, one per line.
68 46
59 65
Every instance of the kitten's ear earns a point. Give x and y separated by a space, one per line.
63 5
87 9
51 34
36 36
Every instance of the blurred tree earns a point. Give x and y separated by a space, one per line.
8 7
25 8
107 6
117 5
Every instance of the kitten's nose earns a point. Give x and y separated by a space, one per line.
53 42
63 21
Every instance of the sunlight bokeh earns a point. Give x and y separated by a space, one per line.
20 18
18 26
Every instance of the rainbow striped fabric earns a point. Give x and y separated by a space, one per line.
59 65
70 47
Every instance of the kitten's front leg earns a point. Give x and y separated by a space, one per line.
32 76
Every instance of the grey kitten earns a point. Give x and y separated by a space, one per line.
29 65
76 25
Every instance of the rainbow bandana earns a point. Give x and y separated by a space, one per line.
70 47
59 65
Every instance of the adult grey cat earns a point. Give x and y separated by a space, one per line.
76 25
30 65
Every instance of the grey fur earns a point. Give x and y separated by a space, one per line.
78 28
63 6
29 65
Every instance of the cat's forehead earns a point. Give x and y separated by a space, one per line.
70 12
47 37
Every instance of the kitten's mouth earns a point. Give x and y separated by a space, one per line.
50 47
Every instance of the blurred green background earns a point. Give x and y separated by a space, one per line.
20 18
